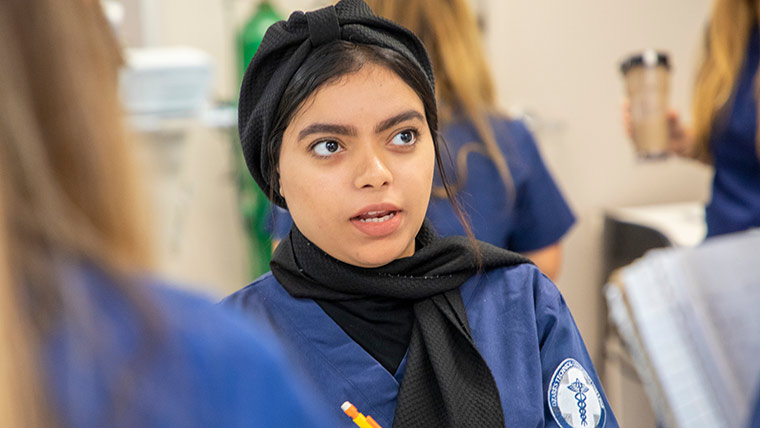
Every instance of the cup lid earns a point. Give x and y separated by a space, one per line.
648 58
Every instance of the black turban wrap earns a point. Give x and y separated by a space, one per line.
285 46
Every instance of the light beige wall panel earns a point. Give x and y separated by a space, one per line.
200 238
211 25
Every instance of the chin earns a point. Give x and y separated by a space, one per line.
372 256
372 262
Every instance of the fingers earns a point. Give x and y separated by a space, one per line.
674 118
681 141
675 128
625 107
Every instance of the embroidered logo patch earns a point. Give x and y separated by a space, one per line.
573 398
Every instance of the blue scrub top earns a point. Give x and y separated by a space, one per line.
536 217
735 204
520 324
754 421
209 368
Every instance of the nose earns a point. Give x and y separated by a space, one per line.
372 170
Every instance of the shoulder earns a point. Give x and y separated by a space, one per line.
525 292
516 141
505 128
525 277
221 343
522 284
196 315
237 364
198 366
520 298
515 134
262 289
505 123
512 136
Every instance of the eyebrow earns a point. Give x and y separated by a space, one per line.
401 117
326 128
329 128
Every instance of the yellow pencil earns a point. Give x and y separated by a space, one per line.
358 418
372 422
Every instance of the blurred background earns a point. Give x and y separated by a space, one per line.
556 65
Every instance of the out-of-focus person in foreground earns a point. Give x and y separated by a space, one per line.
89 338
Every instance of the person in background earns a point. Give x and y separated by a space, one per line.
89 338
724 132
338 123
500 179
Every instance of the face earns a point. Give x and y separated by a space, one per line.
356 167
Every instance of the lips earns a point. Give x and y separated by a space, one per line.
375 211
376 216
378 220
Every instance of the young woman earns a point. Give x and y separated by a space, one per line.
724 132
338 124
88 338
506 190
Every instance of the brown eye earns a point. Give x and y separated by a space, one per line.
326 148
332 146
405 138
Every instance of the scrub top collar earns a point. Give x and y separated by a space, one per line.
374 387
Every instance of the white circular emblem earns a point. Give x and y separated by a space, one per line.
574 401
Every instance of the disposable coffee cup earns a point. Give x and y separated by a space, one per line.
647 78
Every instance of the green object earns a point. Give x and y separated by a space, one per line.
254 205
253 31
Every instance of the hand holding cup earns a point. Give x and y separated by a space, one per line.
680 139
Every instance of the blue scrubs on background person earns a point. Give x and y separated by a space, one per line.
539 216
519 322
206 368
735 203
754 421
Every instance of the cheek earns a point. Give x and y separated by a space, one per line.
417 180
297 184
425 168
293 173
303 186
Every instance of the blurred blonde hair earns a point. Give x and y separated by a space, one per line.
450 33
19 383
68 185
726 42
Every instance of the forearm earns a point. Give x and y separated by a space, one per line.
547 259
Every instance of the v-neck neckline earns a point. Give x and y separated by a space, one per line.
375 387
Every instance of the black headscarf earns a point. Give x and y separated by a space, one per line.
285 46
447 383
